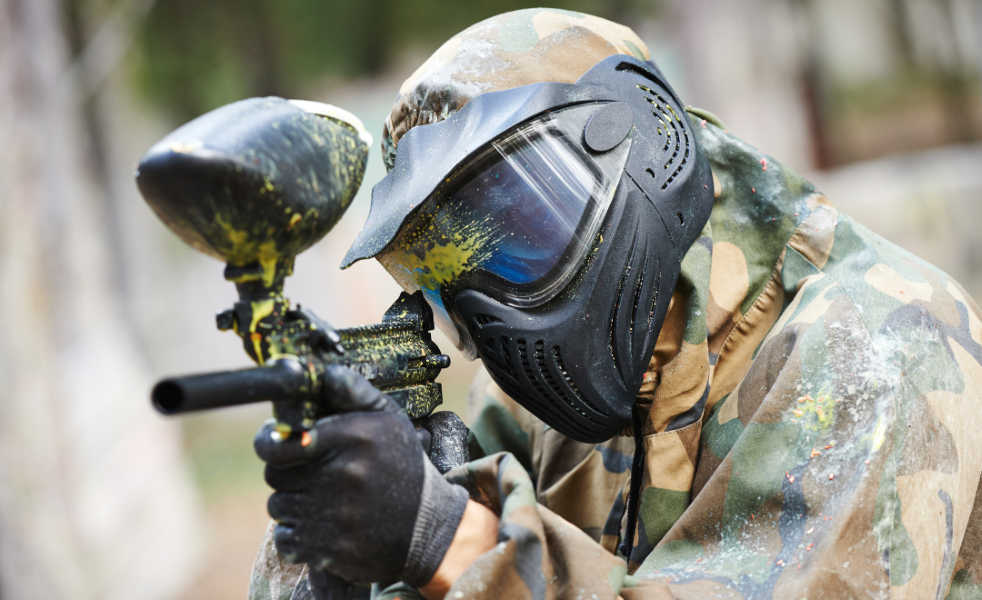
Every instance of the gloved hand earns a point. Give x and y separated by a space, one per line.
357 496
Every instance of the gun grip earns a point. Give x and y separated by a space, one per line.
448 440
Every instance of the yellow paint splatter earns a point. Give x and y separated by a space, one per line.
440 265
260 310
238 238
241 250
268 257
880 434
817 412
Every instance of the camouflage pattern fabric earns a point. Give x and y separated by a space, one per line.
272 577
503 52
838 378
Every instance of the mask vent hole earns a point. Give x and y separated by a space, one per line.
652 305
619 301
650 172
523 357
557 357
637 298
553 409
498 356
577 403
507 363
512 388
482 320
516 392
540 360
676 137
681 218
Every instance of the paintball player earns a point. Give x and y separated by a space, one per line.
700 379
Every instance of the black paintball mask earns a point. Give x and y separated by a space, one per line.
545 225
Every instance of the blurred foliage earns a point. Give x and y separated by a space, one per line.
195 55
219 448
913 108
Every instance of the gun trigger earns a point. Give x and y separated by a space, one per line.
332 345
333 335
320 339
322 335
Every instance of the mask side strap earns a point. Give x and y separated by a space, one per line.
637 475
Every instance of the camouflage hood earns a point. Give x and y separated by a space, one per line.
500 53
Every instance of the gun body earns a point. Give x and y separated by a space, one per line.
397 356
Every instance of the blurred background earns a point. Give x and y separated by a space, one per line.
878 102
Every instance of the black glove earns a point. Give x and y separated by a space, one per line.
357 496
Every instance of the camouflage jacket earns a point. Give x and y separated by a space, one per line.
838 377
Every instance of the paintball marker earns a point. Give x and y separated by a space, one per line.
255 183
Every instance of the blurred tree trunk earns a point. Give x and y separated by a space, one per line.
91 483
261 50
94 143
977 21
897 15
737 60
813 89
954 81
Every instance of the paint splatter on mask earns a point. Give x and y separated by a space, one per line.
516 222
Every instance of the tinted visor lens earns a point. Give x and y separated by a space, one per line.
517 221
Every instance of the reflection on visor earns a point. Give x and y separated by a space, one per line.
517 221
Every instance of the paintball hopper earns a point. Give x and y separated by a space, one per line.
256 182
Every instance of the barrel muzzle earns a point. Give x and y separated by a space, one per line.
282 379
